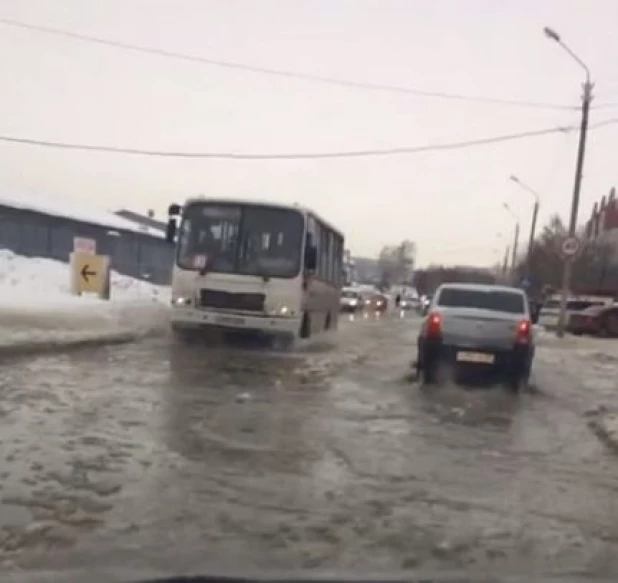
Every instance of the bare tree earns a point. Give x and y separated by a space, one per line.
396 264
592 268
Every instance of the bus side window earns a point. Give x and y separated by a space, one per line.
318 244
323 253
331 257
338 274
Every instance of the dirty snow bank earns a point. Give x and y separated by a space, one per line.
604 425
36 307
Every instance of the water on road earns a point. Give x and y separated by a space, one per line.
329 458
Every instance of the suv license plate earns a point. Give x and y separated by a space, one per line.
480 357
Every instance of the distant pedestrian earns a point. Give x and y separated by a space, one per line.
398 300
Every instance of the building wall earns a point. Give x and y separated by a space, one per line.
35 234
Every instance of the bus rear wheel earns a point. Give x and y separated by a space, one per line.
184 336
305 327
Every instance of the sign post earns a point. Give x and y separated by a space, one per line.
570 248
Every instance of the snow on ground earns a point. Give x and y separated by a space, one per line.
590 364
36 307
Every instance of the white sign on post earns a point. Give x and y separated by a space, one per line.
570 247
84 245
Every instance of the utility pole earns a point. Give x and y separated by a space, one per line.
535 213
505 264
581 151
568 262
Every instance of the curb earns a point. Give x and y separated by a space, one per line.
43 347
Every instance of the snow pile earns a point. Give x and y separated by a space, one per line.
36 307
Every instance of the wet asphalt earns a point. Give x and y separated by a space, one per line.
328 458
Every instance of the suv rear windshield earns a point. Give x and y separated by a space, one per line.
495 300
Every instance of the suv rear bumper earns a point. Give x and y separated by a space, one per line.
519 357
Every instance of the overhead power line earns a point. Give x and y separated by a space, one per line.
301 156
281 72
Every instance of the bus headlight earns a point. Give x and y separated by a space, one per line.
181 301
281 311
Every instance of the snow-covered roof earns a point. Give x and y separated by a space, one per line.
57 207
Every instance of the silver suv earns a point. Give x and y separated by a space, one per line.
472 328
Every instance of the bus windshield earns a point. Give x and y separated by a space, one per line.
242 239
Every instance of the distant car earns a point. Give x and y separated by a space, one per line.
378 302
598 320
351 300
472 328
409 303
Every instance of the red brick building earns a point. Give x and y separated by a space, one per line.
603 222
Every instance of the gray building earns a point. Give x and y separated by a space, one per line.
46 226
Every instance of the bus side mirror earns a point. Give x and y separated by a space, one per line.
170 231
311 258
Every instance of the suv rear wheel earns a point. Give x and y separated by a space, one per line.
517 379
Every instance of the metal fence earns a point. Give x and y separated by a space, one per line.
35 234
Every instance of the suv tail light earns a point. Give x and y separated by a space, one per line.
522 334
434 325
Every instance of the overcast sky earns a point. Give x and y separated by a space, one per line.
449 202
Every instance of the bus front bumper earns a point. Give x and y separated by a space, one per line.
192 318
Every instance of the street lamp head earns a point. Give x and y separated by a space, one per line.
513 178
551 34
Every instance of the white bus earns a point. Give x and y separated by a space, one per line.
254 266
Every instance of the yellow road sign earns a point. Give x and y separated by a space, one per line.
90 274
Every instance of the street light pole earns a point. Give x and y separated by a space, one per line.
535 213
581 150
515 244
505 265
515 238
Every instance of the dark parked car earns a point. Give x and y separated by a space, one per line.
595 320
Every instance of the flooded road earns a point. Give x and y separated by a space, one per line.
143 455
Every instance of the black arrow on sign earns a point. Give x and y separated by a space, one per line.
86 273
